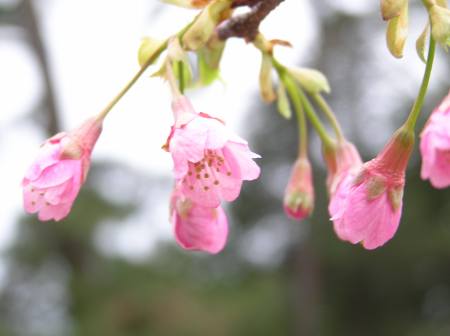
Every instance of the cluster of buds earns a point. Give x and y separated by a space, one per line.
395 12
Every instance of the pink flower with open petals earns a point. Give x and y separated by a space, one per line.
53 181
435 146
368 208
197 227
299 194
210 161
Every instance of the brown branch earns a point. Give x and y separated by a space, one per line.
247 25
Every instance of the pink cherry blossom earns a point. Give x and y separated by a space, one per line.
367 208
435 146
53 181
210 161
197 227
299 194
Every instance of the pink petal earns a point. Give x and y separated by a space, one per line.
439 173
57 174
372 222
435 150
248 168
338 205
47 156
212 180
55 212
204 229
186 145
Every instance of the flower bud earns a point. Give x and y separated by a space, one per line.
283 102
391 8
265 79
311 80
299 195
420 43
397 32
52 183
440 25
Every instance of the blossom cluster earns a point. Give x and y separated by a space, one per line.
210 162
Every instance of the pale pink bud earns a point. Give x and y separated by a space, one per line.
196 227
299 194
367 208
435 146
53 181
210 161
341 159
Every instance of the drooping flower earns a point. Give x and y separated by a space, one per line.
299 194
435 146
210 161
368 208
53 181
197 227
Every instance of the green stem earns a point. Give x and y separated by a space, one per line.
138 74
303 132
301 102
410 123
326 109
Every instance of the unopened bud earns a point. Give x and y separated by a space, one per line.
265 79
397 32
311 80
299 195
421 41
391 8
440 25
283 101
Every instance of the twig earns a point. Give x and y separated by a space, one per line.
247 25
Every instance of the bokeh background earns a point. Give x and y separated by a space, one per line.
112 267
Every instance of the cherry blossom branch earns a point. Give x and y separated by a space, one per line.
247 25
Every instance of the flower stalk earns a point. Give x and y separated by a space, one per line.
410 123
